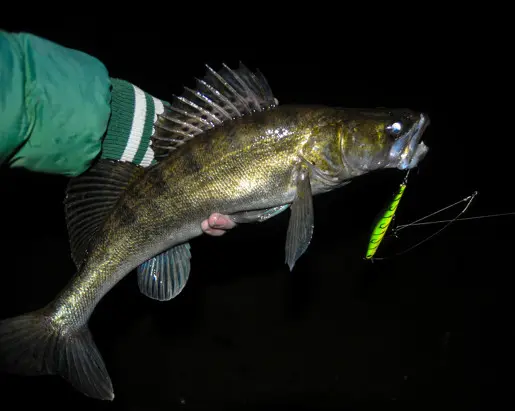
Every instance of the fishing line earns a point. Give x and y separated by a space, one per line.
459 219
417 222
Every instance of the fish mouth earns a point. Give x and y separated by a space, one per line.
418 156
410 150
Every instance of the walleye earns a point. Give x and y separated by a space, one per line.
227 147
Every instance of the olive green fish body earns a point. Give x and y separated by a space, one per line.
227 147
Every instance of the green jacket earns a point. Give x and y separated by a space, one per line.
59 109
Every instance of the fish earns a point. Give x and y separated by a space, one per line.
225 146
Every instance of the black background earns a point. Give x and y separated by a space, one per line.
427 329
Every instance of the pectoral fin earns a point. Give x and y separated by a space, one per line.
300 228
257 216
164 276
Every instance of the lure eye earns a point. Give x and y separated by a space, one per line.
395 129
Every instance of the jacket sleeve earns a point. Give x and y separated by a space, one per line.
54 105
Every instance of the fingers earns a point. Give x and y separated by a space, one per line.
211 231
220 221
217 224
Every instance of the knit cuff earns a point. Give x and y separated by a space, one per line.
133 114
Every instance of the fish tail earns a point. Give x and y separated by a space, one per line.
37 344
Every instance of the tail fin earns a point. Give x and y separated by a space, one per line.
32 344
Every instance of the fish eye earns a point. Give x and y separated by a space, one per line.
395 129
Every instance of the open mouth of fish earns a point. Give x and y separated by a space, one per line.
412 150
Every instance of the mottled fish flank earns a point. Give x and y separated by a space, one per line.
226 146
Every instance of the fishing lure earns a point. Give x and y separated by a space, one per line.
384 222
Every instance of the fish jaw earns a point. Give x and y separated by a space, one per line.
418 156
409 151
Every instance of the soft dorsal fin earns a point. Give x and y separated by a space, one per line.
219 97
89 199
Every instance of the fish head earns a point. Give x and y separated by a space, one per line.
380 138
347 143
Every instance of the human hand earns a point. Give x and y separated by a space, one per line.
217 224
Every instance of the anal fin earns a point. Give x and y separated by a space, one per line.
164 276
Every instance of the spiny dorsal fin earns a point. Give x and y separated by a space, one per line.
89 199
219 97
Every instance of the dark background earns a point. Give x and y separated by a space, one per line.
424 330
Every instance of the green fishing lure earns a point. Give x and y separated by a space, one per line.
383 223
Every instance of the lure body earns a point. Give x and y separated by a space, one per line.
383 223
